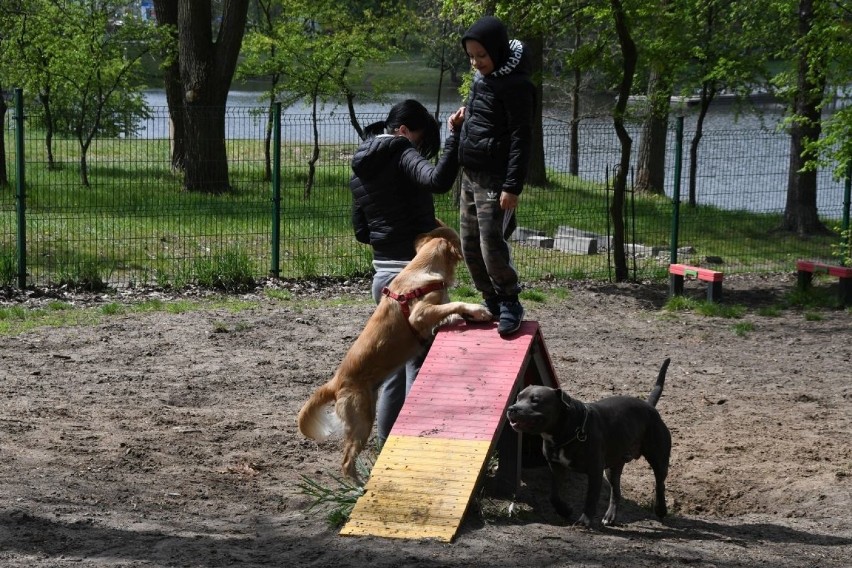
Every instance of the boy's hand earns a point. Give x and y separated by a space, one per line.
456 119
508 200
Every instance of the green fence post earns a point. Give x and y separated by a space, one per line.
276 190
20 189
676 189
847 198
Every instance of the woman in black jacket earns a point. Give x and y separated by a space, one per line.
392 185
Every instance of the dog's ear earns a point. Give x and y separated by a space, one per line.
421 240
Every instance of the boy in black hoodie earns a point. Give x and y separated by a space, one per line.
494 153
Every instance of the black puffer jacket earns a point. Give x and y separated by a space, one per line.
497 130
392 187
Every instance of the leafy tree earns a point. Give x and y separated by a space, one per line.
629 56
820 54
729 51
82 58
440 37
578 50
320 47
659 28
205 68
167 19
97 60
28 58
834 148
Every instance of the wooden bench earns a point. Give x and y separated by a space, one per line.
677 273
806 269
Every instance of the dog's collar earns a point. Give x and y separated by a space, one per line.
580 433
406 297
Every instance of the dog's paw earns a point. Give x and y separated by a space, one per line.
584 521
480 313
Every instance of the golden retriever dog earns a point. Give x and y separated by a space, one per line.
415 303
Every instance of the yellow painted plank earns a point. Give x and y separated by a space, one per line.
418 488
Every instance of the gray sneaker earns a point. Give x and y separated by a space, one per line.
511 316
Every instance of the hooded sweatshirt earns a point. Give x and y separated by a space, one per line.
497 130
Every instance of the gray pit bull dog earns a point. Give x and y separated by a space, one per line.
593 437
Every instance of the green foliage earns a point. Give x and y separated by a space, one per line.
8 269
533 296
704 307
83 274
230 270
337 500
842 250
741 329
813 297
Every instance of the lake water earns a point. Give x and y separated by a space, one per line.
743 157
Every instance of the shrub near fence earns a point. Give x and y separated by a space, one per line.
134 225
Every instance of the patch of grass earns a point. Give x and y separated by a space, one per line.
230 270
282 295
741 329
704 307
335 500
769 311
533 295
813 316
465 293
813 297
8 269
112 308
715 309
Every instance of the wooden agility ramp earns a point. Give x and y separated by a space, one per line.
451 423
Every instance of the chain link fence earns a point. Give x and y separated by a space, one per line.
133 224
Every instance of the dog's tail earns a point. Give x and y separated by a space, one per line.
317 418
658 386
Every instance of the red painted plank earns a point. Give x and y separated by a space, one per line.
704 274
464 385
817 267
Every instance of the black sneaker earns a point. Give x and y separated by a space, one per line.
493 306
511 316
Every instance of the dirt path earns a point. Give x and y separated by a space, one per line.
168 439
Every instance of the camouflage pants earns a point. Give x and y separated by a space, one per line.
485 229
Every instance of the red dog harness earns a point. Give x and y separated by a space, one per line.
406 297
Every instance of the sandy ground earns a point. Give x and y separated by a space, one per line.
168 439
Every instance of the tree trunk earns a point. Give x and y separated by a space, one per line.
206 70
537 173
651 170
44 99
167 15
574 141
708 91
800 213
628 68
4 174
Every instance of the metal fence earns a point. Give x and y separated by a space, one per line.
134 225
